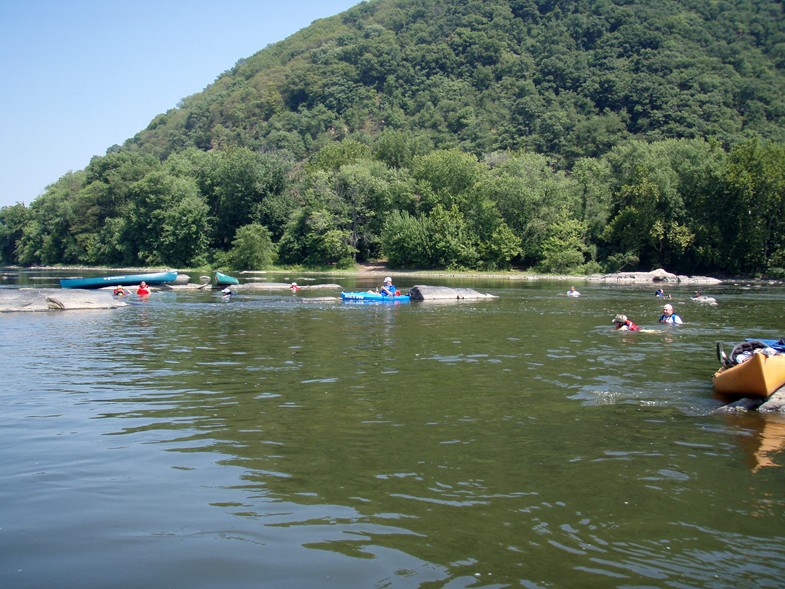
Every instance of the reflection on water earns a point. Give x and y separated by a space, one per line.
513 442
763 439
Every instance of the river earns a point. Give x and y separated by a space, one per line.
268 441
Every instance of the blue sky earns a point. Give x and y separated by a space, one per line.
82 75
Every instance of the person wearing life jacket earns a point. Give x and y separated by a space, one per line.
572 292
294 288
119 291
388 289
621 323
669 317
143 291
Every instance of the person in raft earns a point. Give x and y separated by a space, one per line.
143 291
621 323
572 292
294 288
669 317
388 289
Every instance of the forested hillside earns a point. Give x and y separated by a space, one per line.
566 136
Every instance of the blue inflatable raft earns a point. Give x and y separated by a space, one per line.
373 297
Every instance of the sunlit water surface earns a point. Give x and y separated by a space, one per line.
188 442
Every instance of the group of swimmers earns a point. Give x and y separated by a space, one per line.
622 323
668 317
121 291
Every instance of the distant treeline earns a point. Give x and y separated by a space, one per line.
688 205
561 135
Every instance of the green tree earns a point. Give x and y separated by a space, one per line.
407 241
237 183
252 248
452 245
314 237
185 230
501 248
47 237
753 202
12 223
564 250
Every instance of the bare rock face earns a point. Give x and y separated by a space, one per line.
55 299
445 293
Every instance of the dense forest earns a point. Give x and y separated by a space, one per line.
558 135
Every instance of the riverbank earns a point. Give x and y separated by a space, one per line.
658 276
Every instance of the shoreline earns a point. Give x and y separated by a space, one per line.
659 276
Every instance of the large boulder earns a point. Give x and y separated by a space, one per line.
444 293
55 299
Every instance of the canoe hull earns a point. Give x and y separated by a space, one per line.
225 280
759 376
373 297
151 278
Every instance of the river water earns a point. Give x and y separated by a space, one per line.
188 442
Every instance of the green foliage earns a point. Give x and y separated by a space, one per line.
753 192
501 248
252 248
313 237
334 155
242 187
473 134
564 250
12 224
406 240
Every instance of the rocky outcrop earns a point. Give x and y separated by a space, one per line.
773 404
704 300
658 276
444 293
55 299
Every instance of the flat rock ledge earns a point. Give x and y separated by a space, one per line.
55 299
281 286
445 293
655 276
773 404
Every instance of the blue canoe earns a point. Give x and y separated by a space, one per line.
373 297
225 280
151 278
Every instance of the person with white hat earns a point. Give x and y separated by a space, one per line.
388 289
669 317
621 323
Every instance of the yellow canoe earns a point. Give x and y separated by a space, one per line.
759 376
